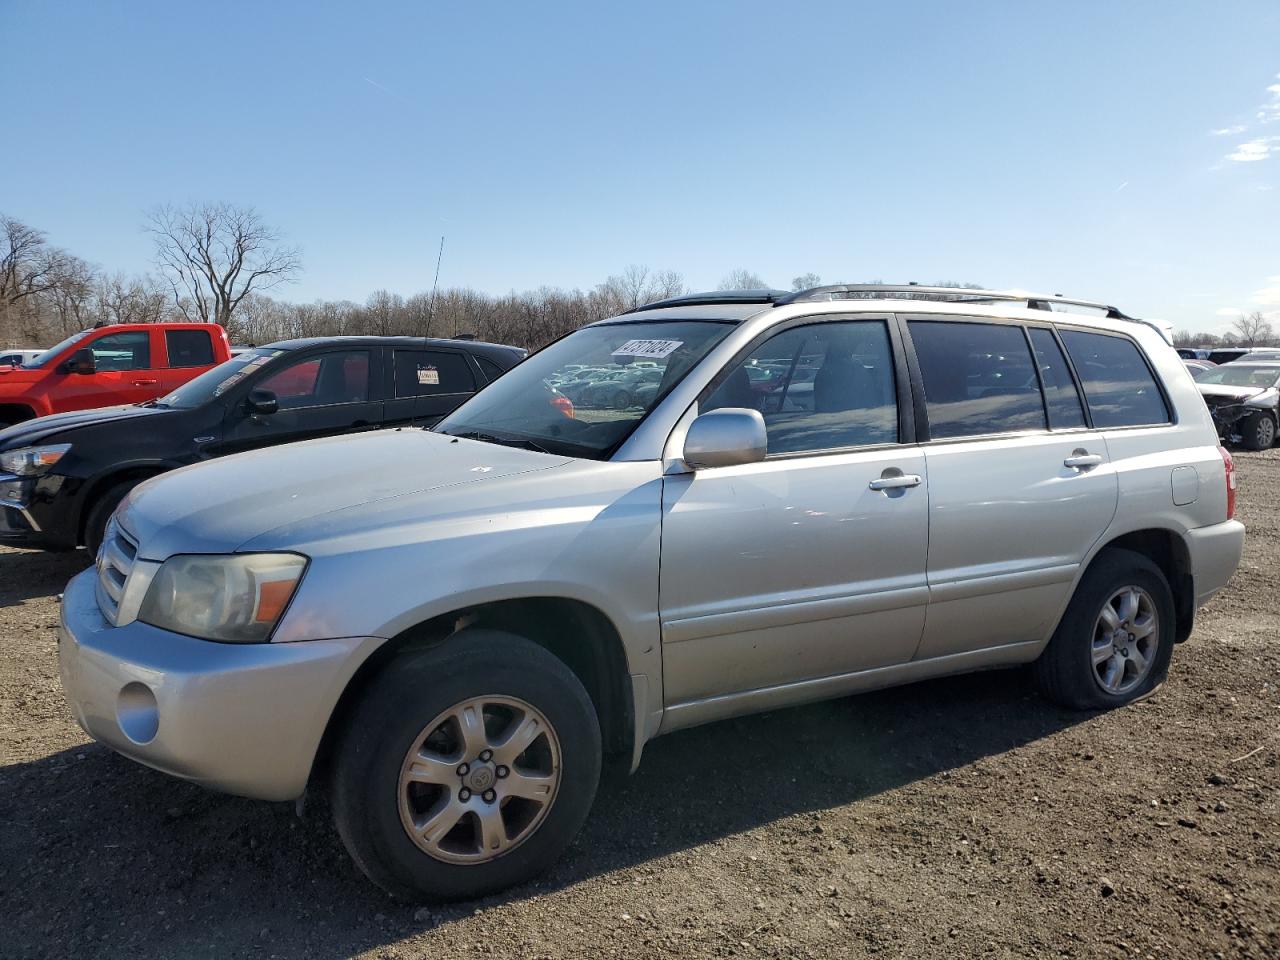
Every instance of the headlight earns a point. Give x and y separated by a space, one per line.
236 598
29 461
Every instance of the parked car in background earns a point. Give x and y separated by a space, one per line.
16 358
450 629
1260 355
1194 353
120 363
61 476
1198 367
1226 354
1244 399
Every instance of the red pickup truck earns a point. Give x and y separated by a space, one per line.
108 366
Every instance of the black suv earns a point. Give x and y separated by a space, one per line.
62 476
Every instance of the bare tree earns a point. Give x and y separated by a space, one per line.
217 254
806 281
1252 329
742 280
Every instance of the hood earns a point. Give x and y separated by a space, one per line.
216 507
43 428
1221 391
18 378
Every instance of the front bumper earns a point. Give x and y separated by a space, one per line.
36 512
241 718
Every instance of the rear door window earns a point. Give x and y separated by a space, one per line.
1118 384
189 348
978 378
426 372
1060 394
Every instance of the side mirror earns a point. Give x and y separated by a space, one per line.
82 361
726 438
262 402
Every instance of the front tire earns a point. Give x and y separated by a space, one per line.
1115 641
95 525
1258 431
466 768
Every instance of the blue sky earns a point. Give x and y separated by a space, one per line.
1056 147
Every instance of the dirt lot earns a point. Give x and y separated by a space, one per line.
956 818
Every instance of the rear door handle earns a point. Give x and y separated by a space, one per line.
1082 461
145 383
895 483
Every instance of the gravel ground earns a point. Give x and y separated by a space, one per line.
955 818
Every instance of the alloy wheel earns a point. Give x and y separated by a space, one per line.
479 779
1126 637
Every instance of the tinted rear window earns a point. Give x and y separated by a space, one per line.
978 378
1118 384
189 348
425 372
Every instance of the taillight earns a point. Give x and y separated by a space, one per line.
1230 466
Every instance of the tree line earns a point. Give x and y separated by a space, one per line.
216 262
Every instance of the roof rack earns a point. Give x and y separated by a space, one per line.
716 296
904 291
913 291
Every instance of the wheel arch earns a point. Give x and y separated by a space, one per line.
1168 549
579 634
16 412
98 485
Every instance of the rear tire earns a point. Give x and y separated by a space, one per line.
1099 658
95 525
1258 431
415 798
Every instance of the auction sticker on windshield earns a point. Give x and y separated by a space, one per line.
649 349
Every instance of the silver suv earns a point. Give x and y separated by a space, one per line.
827 492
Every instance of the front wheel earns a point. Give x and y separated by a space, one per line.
95 525
1115 641
466 768
1258 431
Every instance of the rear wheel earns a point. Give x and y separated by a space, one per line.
1115 641
1258 431
95 525
621 400
466 768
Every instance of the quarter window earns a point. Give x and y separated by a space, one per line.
427 372
122 351
189 348
1117 382
1060 394
978 378
819 387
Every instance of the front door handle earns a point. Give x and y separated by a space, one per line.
145 383
895 483
1079 460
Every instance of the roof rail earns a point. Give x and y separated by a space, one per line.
716 296
913 291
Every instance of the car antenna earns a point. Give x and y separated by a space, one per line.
431 304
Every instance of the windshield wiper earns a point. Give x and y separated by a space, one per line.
504 441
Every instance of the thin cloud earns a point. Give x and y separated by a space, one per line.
1229 312
1251 151
1122 186
1268 296
375 83
1260 147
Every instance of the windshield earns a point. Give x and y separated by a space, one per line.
584 395
1241 375
41 359
214 383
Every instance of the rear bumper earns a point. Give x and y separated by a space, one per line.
1215 553
241 718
